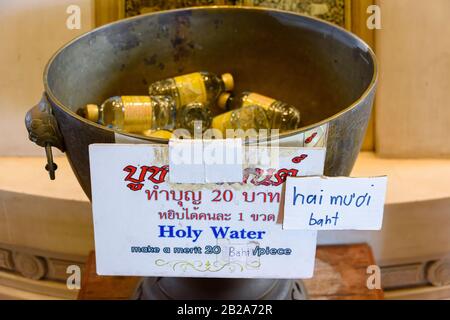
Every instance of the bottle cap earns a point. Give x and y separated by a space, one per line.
223 99
91 112
228 81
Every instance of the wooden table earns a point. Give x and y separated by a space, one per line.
340 273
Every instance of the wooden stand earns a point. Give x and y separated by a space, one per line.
340 273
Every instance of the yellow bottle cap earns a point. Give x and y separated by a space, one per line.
228 81
163 134
222 100
91 112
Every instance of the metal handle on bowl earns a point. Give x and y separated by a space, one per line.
43 130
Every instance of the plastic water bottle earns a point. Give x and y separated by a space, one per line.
280 115
245 118
194 116
203 87
133 113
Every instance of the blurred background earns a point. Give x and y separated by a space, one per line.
46 226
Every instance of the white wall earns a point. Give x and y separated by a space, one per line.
412 104
30 32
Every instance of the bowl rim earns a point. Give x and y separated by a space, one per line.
361 44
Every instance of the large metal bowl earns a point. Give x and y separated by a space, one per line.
328 73
322 69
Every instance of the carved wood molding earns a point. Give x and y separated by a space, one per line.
399 276
30 266
36 264
438 272
41 265
432 272
336 11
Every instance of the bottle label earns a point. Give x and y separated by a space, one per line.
191 88
163 134
257 99
137 113
222 121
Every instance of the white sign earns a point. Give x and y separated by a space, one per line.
145 226
205 161
323 203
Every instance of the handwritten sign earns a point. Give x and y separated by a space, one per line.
146 226
323 203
